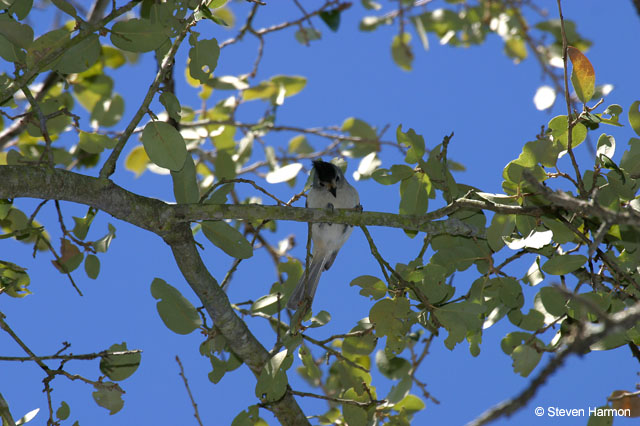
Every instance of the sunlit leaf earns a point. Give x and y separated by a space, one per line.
177 313
583 76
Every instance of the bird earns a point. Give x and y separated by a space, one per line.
329 190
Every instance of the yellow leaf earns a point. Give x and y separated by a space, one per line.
583 76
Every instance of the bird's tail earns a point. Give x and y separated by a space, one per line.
308 284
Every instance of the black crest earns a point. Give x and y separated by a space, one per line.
326 171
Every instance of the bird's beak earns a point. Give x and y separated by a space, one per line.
332 188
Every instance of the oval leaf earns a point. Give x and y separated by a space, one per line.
137 35
119 367
185 184
227 238
583 76
561 265
164 145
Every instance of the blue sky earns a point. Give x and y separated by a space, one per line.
477 92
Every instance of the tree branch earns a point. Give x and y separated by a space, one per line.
239 338
158 217
592 333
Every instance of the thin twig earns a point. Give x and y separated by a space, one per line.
581 342
69 357
186 385
341 400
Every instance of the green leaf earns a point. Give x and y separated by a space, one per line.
66 7
515 48
177 313
107 112
502 225
401 51
583 76
305 35
82 225
553 301
299 145
219 196
109 397
397 173
45 45
20 35
372 287
138 35
561 234
91 90
63 411
164 145
354 415
460 318
414 197
322 318
203 58
268 304
171 104
102 245
80 57
292 85
119 367
311 369
601 416
95 143
218 369
410 404
400 390
359 345
227 238
634 117
559 130
563 264
20 8
248 417
331 18
525 358
395 368
92 266
272 382
388 316
533 321
415 143
224 166
185 184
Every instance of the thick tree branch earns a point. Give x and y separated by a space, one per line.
239 338
158 217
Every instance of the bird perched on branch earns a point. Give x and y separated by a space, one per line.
329 190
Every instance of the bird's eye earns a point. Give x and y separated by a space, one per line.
337 178
321 184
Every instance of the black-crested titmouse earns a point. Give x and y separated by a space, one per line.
329 190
